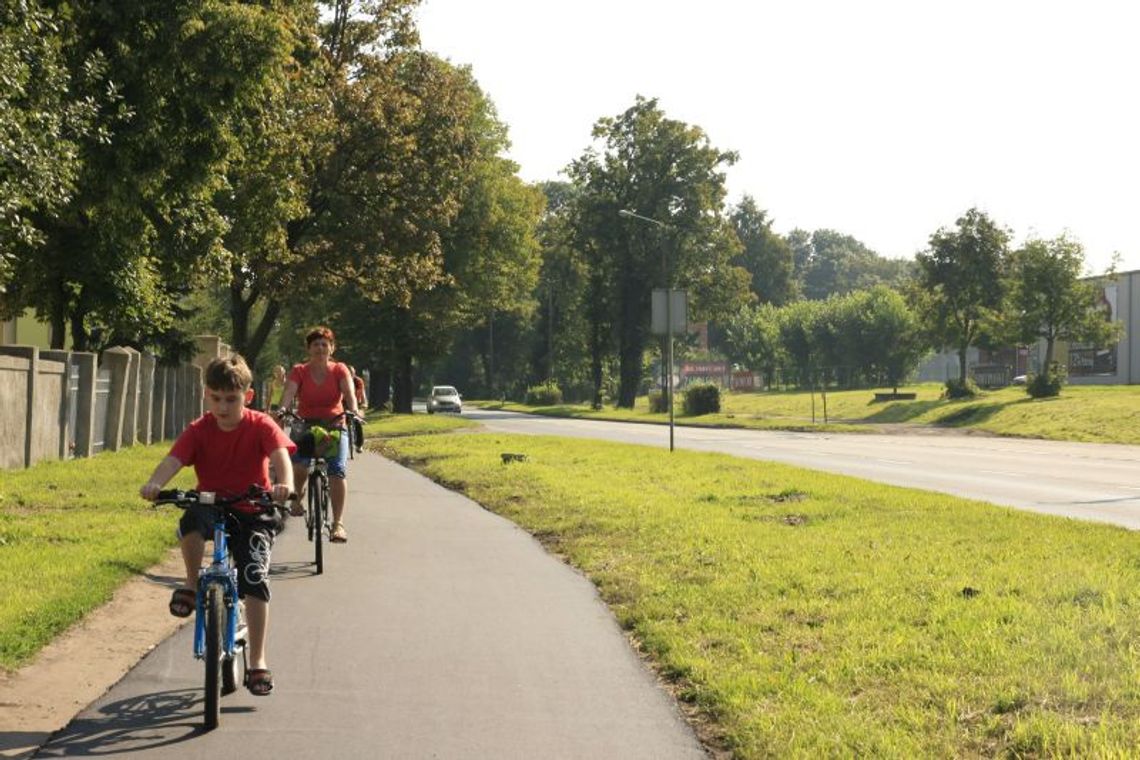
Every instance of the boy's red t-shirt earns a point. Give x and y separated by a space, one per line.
228 462
320 401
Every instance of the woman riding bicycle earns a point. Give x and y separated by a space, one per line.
323 390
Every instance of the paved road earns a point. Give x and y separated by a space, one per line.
439 631
1084 480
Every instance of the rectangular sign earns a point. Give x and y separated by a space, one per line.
680 312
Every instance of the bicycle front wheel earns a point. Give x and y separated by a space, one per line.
215 619
318 502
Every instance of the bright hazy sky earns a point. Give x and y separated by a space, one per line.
880 119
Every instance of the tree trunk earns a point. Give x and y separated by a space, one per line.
1049 344
380 386
596 359
58 327
630 375
491 352
962 373
403 386
80 338
239 316
256 342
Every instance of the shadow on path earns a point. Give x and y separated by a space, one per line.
133 725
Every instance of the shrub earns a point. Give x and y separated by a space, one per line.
703 398
658 402
547 394
1047 384
957 389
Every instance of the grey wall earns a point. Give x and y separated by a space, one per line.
147 403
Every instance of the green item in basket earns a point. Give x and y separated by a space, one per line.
326 443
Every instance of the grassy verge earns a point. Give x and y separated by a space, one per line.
385 425
812 615
70 534
641 413
1106 414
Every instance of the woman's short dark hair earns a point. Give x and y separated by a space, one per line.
320 332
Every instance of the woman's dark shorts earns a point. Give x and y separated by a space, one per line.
250 539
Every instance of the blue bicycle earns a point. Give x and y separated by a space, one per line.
220 634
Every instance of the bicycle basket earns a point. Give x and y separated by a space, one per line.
326 443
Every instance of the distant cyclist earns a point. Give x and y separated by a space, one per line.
323 390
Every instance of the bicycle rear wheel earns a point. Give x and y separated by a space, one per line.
215 619
318 502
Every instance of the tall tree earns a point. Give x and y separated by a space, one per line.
1048 299
44 116
327 171
668 171
891 339
831 263
765 255
140 227
559 353
962 276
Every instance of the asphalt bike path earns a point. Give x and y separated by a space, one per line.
439 630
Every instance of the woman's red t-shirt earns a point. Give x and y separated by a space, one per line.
321 401
228 462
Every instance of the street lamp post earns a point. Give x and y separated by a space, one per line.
668 313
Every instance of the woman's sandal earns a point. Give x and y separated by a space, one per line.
182 602
259 681
338 535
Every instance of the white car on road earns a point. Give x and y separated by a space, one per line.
444 398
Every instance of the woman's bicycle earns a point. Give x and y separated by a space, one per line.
220 634
318 440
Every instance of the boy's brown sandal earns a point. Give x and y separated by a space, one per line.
182 602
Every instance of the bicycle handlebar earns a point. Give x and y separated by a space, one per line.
256 496
347 414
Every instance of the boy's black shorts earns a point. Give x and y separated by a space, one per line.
250 539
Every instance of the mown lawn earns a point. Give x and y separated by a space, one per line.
70 534
811 615
1106 414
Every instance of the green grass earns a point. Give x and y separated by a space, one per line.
810 615
70 534
1107 414
385 425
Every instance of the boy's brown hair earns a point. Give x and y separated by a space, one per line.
230 374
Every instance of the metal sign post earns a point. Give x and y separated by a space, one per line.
670 314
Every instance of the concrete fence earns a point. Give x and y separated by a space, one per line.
61 404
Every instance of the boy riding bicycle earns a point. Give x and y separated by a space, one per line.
231 447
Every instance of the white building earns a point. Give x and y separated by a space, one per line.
1087 365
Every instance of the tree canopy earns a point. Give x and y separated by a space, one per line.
668 171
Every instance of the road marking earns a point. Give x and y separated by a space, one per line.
893 461
1007 474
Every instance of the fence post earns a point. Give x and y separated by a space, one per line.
131 398
118 360
85 415
32 354
64 357
158 409
173 400
146 398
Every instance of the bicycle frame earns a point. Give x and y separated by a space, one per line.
220 572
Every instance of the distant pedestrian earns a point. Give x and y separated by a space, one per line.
275 387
